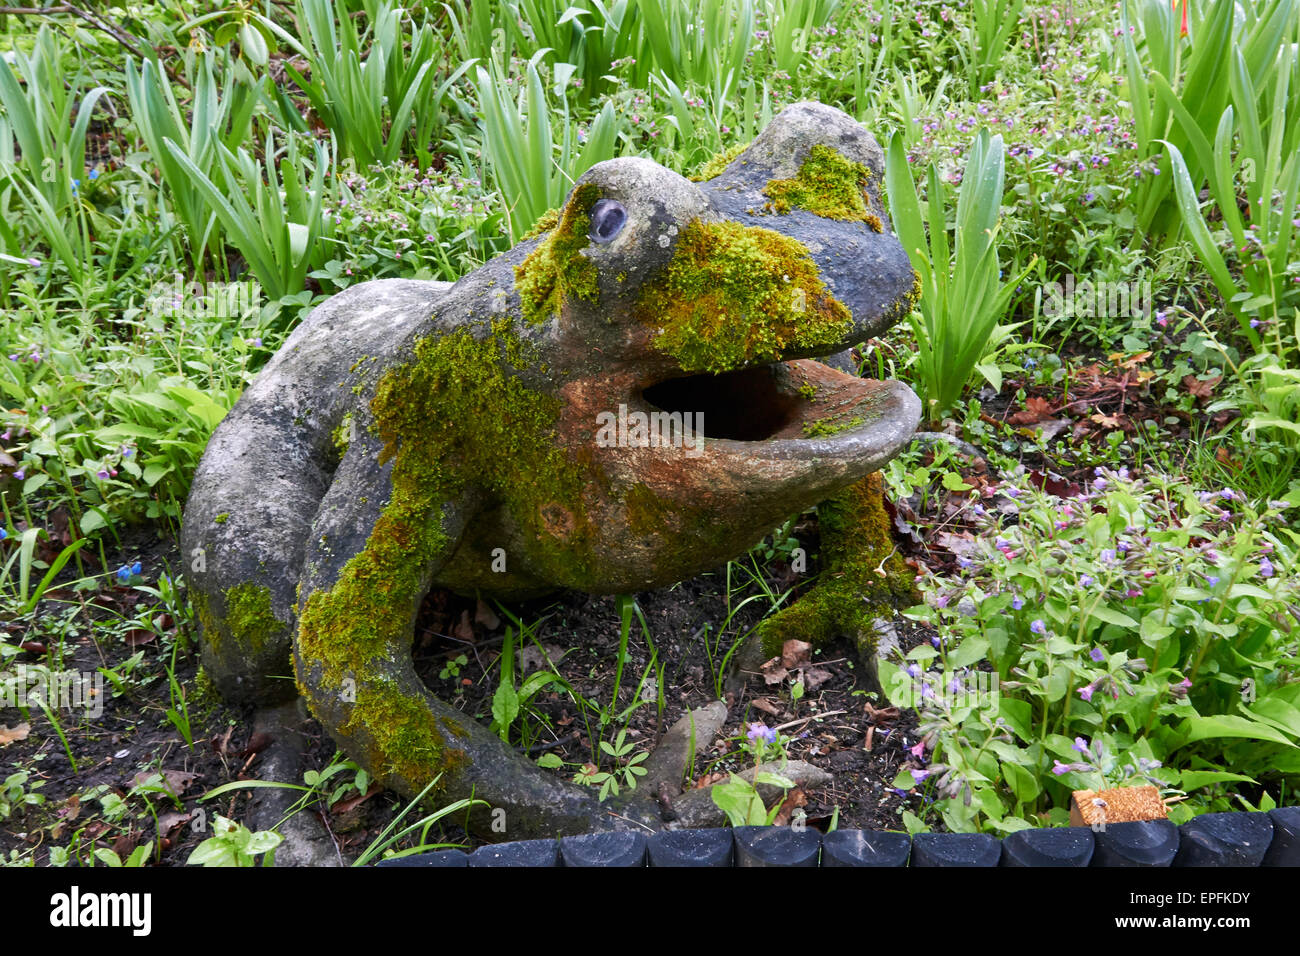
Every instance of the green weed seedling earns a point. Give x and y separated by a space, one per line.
626 764
233 844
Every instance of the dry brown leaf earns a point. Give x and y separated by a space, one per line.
9 735
1104 420
343 806
962 544
533 658
221 745
880 715
172 820
795 799
766 705
795 652
814 677
772 671
1201 388
1036 410
137 636
484 615
257 743
174 781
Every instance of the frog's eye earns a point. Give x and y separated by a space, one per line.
607 219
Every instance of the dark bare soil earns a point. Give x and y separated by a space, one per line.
682 658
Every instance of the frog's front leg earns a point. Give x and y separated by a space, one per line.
362 586
863 578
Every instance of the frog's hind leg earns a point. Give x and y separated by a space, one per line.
363 583
262 478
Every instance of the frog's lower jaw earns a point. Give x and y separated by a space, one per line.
687 472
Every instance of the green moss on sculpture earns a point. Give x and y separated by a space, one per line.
451 419
714 166
736 294
545 223
828 184
557 270
342 435
862 580
826 427
249 618
905 303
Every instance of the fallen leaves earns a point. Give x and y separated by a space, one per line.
1036 410
485 616
796 799
175 782
1201 388
533 658
10 735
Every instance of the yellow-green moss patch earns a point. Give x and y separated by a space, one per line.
826 427
862 580
342 436
735 294
828 184
451 419
557 270
714 166
249 617
548 221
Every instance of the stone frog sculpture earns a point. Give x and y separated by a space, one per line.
412 435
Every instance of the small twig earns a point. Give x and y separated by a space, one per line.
803 720
638 823
560 742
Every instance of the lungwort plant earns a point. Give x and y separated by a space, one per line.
1137 629
962 293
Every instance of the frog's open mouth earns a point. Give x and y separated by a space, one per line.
799 400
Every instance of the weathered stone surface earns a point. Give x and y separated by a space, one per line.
1284 850
520 853
691 735
713 847
443 858
860 265
414 434
1224 839
1137 843
1053 846
777 846
955 849
865 848
622 849
306 842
